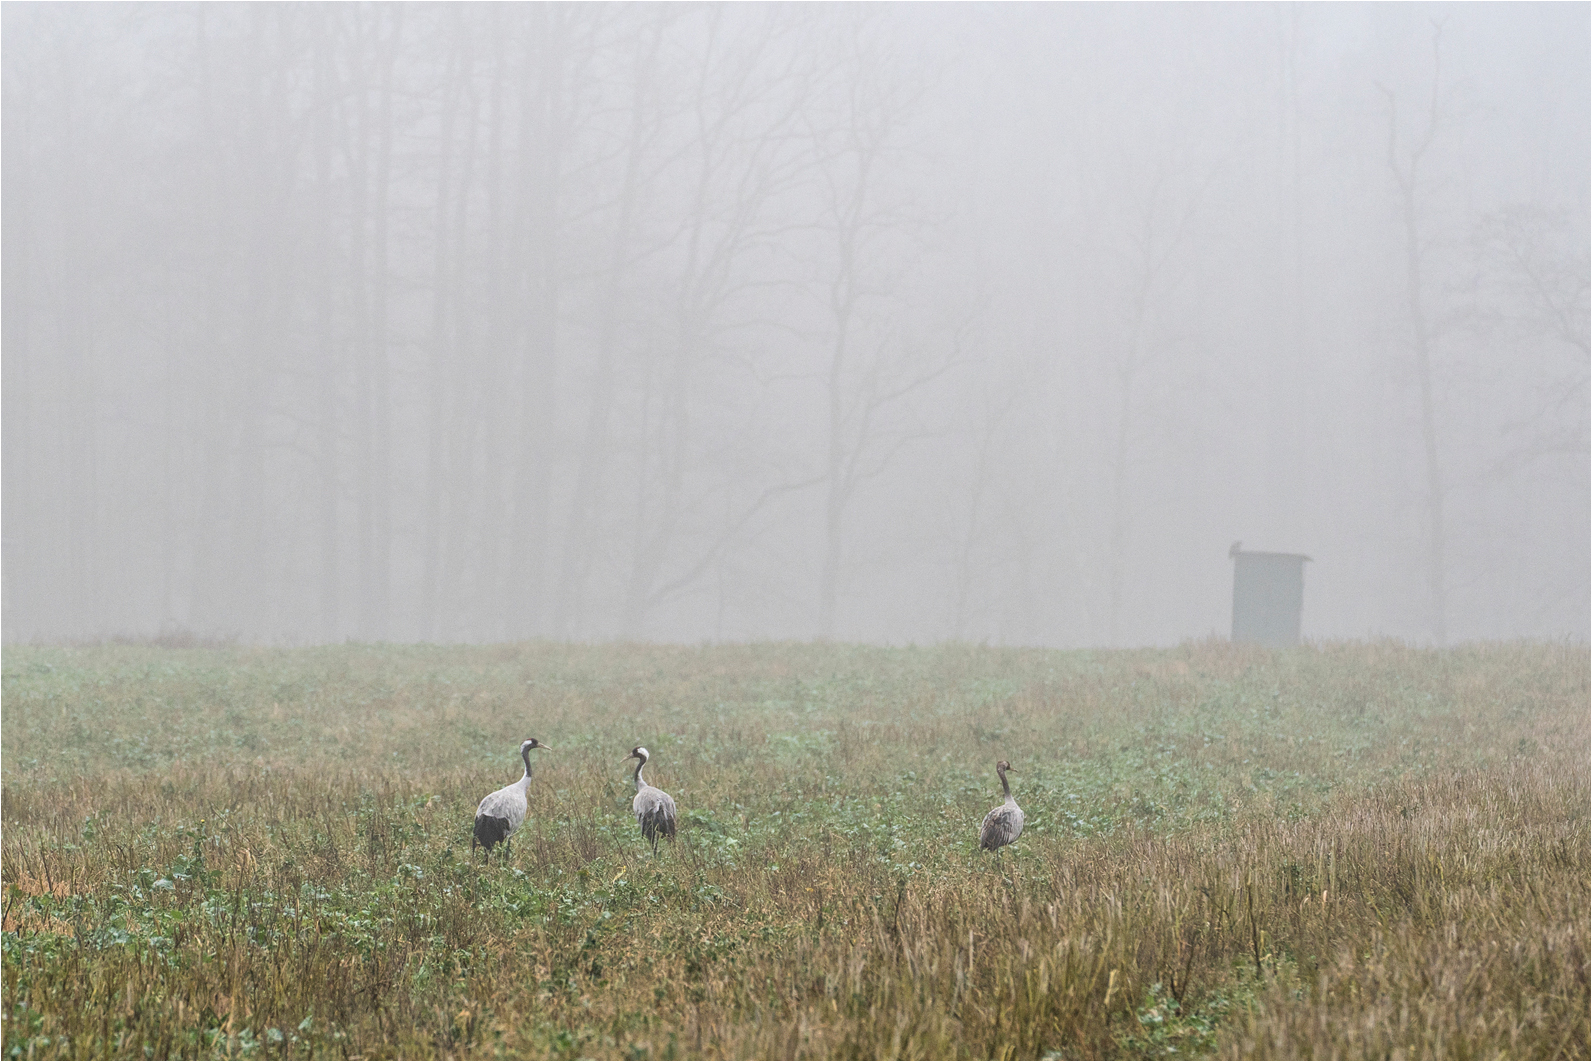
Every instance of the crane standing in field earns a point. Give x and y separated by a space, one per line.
1004 824
653 807
502 812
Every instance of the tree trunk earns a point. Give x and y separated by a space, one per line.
441 334
1407 178
75 327
1119 502
21 615
836 489
378 573
488 613
325 343
464 424
540 160
1435 579
356 149
1127 373
269 185
584 509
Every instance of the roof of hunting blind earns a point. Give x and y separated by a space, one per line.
1237 549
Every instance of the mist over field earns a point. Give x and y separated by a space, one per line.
388 385
878 323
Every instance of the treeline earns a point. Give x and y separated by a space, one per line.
501 321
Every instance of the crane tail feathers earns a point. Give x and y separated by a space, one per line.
490 830
656 823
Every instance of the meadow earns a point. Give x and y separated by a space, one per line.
1349 850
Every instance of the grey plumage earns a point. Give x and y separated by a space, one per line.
654 808
502 812
1004 823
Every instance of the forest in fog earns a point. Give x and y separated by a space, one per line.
887 323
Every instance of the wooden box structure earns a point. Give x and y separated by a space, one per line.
1268 596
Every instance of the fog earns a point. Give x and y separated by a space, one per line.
886 323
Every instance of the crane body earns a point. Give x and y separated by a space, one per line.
1004 823
502 812
655 811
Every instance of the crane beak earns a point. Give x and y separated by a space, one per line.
549 748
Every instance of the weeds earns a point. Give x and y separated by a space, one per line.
1354 850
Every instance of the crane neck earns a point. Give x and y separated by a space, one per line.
1006 786
525 779
640 782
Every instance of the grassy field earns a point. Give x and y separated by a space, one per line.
1353 850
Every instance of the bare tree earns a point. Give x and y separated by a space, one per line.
367 140
993 414
446 238
642 122
1284 452
1407 167
552 60
17 204
1160 229
242 376
1533 288
73 324
743 112
328 363
871 367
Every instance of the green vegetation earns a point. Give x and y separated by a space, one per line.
1356 850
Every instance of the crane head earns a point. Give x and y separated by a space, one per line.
638 753
1003 766
531 743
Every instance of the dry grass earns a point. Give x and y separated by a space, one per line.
1358 850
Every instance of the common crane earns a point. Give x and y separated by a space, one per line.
502 812
653 807
1003 824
